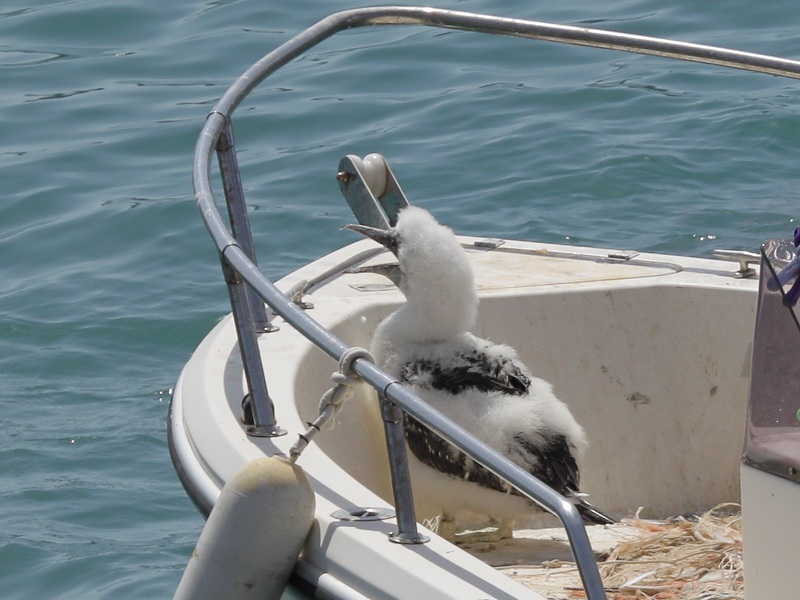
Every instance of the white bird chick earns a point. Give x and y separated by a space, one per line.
482 386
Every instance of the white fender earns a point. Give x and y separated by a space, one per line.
253 536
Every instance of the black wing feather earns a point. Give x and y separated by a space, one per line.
556 464
441 455
475 370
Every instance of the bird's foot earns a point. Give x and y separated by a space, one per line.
446 528
504 531
484 536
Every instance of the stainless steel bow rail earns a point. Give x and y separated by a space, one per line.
249 288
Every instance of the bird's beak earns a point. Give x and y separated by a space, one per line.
385 237
389 270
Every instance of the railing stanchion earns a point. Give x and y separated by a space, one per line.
240 222
263 413
249 311
401 479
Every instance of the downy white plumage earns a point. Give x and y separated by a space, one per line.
482 386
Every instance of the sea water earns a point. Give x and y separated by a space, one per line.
108 279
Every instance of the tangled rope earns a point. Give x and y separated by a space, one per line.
332 401
683 559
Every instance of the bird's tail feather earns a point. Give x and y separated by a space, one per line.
591 515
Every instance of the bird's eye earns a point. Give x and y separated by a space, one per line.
393 244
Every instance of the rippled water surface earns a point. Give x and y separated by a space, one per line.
109 280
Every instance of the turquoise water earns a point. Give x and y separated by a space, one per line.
109 280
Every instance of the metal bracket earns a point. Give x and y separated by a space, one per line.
253 430
743 257
371 190
296 294
488 243
364 514
623 255
268 327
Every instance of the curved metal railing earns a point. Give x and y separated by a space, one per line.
249 288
